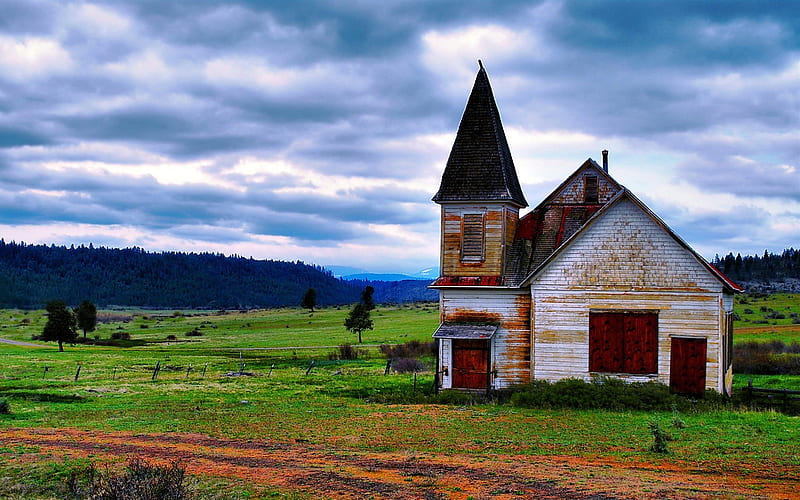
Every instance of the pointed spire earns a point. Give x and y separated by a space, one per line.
480 167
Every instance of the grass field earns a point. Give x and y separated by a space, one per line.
327 426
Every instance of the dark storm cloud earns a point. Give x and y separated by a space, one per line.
98 101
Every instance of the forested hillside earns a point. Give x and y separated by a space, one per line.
776 271
31 275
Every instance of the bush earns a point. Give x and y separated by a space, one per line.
412 349
120 336
606 393
346 352
172 337
5 408
140 480
195 332
767 358
407 365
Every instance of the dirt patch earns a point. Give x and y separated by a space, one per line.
340 473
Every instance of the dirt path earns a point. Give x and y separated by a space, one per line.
325 472
23 344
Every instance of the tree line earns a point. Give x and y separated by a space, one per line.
767 267
33 275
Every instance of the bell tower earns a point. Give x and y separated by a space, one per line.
480 194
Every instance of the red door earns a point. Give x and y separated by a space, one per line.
470 364
687 366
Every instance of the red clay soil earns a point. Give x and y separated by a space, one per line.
338 473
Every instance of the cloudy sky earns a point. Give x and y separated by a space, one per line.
318 130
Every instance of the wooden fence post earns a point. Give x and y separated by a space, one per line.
188 370
204 370
270 369
310 366
156 369
77 373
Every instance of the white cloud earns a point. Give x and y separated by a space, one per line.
97 21
32 57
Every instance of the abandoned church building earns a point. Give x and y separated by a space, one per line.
590 283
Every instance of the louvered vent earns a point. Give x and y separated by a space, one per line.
590 189
472 238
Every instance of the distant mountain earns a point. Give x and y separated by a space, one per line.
399 292
32 275
378 277
352 273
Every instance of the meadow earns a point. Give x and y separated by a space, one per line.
250 416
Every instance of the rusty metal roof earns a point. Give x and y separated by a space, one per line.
467 281
480 167
464 331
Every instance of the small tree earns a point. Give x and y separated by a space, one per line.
86 314
61 325
358 320
309 300
366 298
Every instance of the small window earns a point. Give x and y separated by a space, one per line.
590 189
623 342
472 238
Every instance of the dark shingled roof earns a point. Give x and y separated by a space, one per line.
465 331
480 167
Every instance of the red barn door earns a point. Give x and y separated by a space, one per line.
471 364
687 366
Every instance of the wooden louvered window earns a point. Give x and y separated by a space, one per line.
472 238
623 342
590 189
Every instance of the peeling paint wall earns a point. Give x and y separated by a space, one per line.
625 261
499 226
510 346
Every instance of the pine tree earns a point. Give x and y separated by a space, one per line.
61 325
86 315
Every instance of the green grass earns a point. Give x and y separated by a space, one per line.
334 405
758 312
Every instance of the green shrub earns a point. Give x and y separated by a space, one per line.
120 336
5 408
195 332
660 437
606 393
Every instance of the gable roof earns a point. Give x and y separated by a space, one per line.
480 167
543 230
627 195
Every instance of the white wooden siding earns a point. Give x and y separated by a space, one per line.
625 261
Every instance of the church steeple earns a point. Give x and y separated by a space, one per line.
480 167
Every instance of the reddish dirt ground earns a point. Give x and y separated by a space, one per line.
325 472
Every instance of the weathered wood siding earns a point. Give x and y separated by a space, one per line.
510 347
574 191
624 261
500 223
